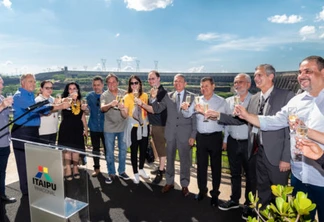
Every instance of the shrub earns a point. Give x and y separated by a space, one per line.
286 208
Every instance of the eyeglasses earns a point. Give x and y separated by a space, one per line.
239 82
134 83
48 88
151 79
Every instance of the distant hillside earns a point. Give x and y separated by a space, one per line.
286 80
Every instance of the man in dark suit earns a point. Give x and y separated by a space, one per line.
271 147
180 133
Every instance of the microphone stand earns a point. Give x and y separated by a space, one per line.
19 117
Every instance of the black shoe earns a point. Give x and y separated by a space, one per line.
158 177
247 211
200 196
7 199
228 205
154 172
214 201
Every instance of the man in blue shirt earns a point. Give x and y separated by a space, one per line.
4 143
26 128
96 121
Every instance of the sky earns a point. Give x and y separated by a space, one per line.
168 35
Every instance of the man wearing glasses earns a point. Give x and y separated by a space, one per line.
114 125
158 122
96 121
307 174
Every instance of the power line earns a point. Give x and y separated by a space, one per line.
137 65
156 63
103 64
119 65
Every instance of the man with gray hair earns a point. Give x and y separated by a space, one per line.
272 148
26 127
236 144
180 132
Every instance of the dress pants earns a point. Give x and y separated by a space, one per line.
237 152
4 155
29 133
95 141
185 161
209 145
268 175
48 139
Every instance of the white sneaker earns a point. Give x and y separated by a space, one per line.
142 173
136 178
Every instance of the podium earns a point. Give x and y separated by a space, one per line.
51 197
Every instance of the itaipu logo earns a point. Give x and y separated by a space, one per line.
43 181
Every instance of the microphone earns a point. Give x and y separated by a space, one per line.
39 104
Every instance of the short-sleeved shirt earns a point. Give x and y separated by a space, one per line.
49 123
114 122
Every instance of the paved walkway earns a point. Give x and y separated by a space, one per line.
225 189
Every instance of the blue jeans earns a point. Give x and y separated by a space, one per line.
4 155
110 146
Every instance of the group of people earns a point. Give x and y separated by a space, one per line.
254 129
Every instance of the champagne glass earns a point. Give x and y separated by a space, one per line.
9 95
205 110
84 102
188 99
302 129
292 116
197 99
136 95
301 133
58 98
237 101
119 98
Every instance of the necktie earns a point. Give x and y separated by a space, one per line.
178 102
262 104
256 139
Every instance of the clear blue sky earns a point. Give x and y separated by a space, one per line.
182 35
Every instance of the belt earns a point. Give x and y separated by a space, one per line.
23 126
210 134
240 141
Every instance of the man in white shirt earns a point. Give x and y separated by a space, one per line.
307 175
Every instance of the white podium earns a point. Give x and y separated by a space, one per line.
51 198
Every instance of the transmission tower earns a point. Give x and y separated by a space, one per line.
137 65
103 64
156 63
118 65
85 68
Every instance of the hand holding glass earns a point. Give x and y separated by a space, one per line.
9 96
292 116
